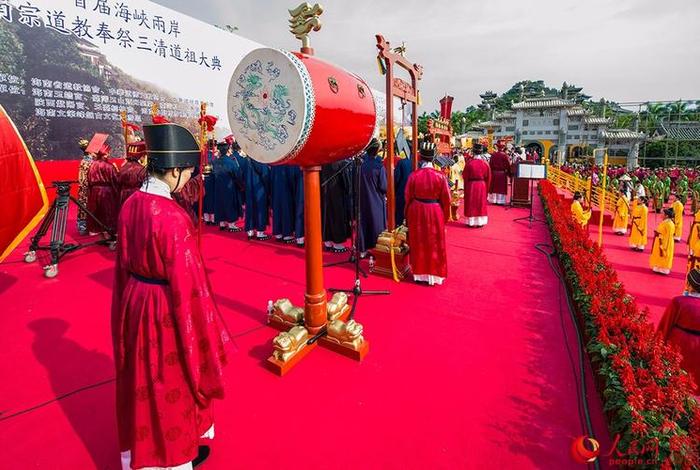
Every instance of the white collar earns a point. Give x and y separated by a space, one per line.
155 186
427 165
694 294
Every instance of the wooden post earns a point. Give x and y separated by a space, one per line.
407 92
601 204
315 300
389 152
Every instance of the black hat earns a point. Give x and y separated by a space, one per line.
223 147
669 212
427 150
694 279
373 146
170 146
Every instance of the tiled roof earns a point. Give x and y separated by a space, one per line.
622 134
681 130
551 102
489 124
577 111
596 120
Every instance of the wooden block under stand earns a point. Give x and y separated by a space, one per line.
382 264
280 368
356 355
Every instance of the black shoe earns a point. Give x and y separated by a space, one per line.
202 454
222 227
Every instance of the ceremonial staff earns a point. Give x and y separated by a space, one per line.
202 164
125 130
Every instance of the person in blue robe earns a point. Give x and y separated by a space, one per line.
402 171
336 204
227 207
241 163
297 178
208 204
372 198
283 203
257 200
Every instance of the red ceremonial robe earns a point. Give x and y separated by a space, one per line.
500 170
168 338
680 326
477 175
103 196
189 196
427 208
131 175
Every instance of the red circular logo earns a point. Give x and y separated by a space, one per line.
585 449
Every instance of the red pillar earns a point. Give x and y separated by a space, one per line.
315 312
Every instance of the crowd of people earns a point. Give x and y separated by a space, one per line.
161 283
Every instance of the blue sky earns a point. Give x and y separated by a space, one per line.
625 50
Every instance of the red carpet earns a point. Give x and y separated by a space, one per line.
473 374
649 289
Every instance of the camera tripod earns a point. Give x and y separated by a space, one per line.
57 216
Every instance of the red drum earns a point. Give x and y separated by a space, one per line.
296 109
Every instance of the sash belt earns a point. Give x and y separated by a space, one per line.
688 330
428 201
149 280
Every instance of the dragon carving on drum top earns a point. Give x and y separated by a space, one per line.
264 105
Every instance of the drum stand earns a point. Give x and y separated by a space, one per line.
57 216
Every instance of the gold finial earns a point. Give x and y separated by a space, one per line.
154 108
401 49
304 19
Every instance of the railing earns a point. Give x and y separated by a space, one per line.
573 183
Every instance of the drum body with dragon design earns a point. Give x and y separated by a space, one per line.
291 108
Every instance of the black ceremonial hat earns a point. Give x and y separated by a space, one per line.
427 150
170 146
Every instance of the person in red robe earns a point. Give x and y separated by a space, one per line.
132 173
167 332
427 209
188 196
103 193
500 172
477 177
680 326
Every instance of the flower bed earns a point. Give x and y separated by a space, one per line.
647 396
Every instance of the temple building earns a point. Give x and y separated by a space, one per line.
560 128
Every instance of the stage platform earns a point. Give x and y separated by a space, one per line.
474 374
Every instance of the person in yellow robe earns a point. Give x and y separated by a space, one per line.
638 232
661 259
622 212
580 216
678 209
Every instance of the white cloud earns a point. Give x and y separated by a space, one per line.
626 50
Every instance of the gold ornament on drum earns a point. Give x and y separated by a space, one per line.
304 19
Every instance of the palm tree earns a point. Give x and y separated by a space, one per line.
678 110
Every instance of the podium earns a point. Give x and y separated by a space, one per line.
520 196
529 172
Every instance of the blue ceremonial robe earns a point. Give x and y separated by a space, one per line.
226 201
297 178
242 164
208 204
283 203
257 191
402 171
372 202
